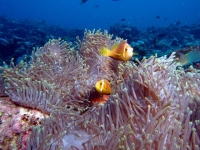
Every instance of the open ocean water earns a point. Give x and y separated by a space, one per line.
104 13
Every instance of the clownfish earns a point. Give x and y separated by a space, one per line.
103 87
101 100
122 51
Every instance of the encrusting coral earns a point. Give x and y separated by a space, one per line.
153 105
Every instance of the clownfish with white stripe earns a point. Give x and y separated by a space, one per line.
122 51
103 87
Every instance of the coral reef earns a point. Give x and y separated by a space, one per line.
162 41
127 32
17 38
153 105
16 124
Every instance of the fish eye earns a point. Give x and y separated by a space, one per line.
126 49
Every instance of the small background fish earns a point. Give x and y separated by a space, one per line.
190 58
83 1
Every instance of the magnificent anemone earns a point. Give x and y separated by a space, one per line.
153 105
50 78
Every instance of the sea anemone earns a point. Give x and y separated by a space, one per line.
153 105
51 77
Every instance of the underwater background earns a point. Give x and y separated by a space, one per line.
150 27
61 87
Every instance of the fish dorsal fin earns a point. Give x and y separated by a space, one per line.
114 46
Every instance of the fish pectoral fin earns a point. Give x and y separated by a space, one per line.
114 46
104 51
118 55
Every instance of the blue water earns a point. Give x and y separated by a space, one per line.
104 13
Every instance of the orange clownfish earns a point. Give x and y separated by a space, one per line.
101 100
122 51
103 87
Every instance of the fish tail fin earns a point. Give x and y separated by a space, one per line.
104 51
